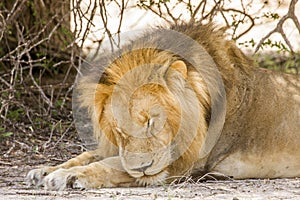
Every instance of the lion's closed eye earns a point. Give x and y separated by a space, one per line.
121 133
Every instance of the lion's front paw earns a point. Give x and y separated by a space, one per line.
36 177
62 179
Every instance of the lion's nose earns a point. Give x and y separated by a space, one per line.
144 167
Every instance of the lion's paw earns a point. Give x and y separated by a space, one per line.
62 179
36 177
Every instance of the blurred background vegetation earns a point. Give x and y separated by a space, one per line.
43 42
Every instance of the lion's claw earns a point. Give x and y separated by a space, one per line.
36 177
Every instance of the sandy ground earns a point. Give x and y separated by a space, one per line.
12 186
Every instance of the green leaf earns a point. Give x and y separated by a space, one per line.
7 134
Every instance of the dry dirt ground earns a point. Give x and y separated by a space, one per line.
12 186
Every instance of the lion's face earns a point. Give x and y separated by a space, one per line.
144 134
144 116
145 111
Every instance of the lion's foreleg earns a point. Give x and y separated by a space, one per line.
80 160
106 173
36 176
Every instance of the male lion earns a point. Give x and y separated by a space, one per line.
154 105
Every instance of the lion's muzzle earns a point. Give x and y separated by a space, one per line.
144 164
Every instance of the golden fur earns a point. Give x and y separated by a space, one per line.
145 107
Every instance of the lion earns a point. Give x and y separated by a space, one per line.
154 105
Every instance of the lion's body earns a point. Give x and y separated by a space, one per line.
261 139
144 118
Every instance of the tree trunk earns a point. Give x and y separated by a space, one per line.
35 29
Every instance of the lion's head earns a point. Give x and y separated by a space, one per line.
142 104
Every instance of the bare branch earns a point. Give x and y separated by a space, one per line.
279 28
246 15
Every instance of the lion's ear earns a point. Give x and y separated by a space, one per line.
181 67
